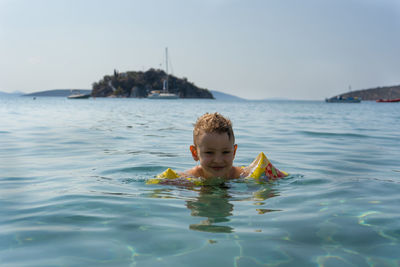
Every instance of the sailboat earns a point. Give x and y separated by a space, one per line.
164 94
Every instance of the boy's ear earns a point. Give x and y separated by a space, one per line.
234 150
194 152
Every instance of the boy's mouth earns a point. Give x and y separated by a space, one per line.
218 168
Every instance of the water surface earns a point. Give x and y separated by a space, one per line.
73 192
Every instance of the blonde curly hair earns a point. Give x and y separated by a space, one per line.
213 123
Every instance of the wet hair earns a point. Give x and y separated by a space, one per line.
213 123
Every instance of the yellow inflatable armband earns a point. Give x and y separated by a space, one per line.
172 177
168 174
260 167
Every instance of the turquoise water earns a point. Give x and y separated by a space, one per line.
73 192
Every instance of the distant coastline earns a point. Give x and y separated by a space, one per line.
224 96
373 94
58 92
11 94
66 92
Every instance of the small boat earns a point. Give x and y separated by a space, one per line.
340 99
156 94
164 94
388 100
78 95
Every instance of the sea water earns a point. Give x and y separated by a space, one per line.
73 191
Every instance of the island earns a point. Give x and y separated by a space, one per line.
139 84
373 94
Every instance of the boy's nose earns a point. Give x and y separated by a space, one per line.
219 159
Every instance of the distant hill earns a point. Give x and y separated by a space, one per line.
223 96
11 94
140 84
58 92
387 92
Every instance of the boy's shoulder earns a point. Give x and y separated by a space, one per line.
193 172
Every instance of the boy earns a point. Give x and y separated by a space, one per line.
214 146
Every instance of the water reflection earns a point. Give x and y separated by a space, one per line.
213 204
261 195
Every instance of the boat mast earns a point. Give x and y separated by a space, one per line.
166 66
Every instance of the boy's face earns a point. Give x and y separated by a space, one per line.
216 153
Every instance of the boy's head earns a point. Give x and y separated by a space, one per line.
212 123
214 145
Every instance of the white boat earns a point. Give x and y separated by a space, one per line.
161 95
164 94
78 95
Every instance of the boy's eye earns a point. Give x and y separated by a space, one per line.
226 152
209 152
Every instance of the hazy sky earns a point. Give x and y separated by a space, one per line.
297 49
